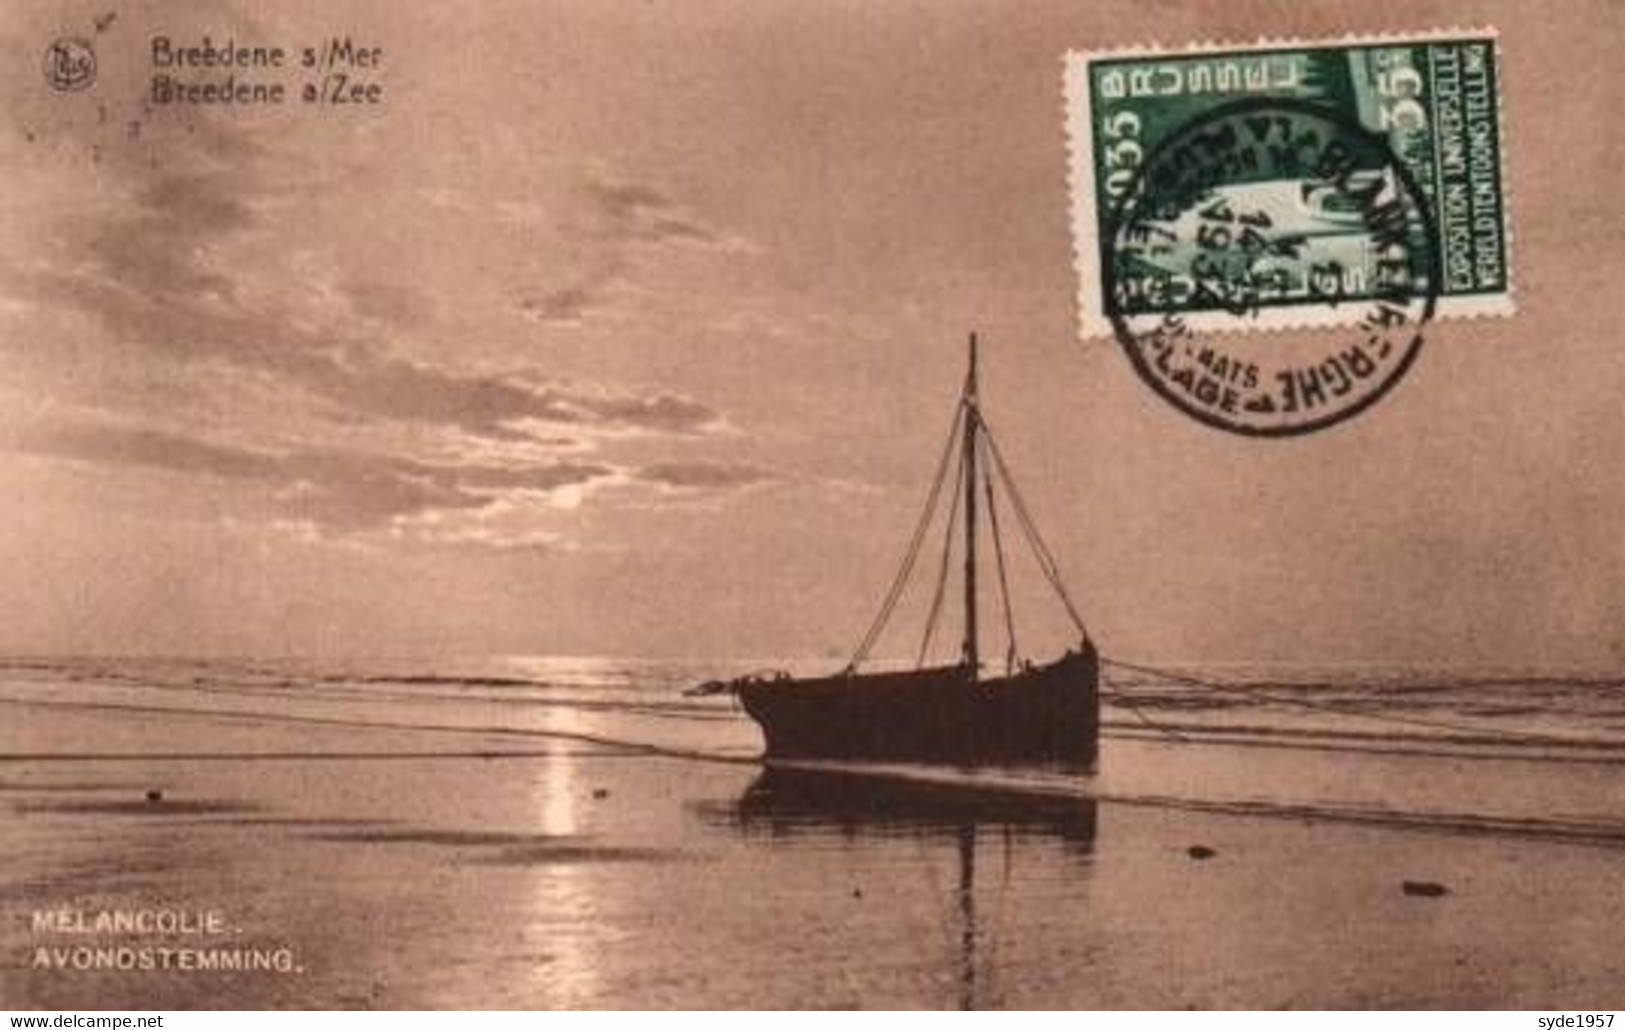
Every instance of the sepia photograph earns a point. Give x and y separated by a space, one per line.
812 504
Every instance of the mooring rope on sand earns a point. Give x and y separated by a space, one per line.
1331 709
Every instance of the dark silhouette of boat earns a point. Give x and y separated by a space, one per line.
948 713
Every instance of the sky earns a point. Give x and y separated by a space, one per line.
634 328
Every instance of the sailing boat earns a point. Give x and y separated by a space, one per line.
954 713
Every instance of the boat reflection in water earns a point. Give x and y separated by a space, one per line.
981 821
785 801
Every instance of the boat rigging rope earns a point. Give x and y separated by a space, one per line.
1044 557
1011 651
1122 698
940 590
889 603
1029 529
1403 720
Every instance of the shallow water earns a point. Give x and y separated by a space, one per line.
1539 754
575 833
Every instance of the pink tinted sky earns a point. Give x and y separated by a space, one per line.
633 328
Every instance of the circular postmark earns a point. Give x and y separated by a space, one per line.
1260 215
70 64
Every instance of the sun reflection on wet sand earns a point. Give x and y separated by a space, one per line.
559 905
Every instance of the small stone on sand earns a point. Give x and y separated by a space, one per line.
1425 889
1200 851
155 795
599 794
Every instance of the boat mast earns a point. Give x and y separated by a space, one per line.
972 427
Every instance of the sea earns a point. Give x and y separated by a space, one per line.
567 832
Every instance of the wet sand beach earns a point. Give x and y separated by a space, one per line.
446 867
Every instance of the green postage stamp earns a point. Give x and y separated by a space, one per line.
1164 141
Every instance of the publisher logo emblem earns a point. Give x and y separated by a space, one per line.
70 64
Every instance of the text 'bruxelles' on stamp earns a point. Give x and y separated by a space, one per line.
1222 189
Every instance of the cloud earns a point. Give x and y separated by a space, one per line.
704 475
215 278
182 265
565 306
124 446
515 525
587 293
615 221
495 405
157 246
664 412
354 376
334 491
330 492
388 304
632 212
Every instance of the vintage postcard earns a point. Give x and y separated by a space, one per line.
803 505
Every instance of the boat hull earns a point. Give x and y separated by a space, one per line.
1047 713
